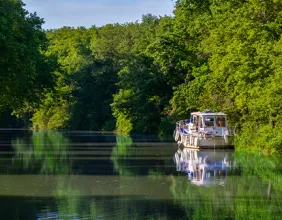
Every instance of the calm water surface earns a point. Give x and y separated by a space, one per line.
86 175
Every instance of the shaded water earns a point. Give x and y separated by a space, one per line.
85 175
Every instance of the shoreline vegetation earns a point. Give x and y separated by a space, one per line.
141 77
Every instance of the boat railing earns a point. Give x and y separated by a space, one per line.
182 125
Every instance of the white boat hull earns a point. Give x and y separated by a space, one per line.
199 142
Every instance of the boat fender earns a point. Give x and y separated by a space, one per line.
176 136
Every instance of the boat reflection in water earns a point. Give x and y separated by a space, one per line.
204 167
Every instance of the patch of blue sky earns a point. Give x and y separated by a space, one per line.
74 13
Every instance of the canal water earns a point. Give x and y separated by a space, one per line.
88 175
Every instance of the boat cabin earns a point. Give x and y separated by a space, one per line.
208 122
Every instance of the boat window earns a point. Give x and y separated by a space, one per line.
209 121
220 121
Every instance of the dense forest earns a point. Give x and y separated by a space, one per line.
141 77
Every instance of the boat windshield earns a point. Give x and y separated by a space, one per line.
209 121
220 121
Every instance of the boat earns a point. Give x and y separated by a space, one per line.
205 129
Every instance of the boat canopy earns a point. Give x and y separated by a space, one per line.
208 114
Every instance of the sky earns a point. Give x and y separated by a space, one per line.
74 13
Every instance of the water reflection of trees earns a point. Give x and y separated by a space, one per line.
73 203
251 192
47 152
120 152
44 152
264 174
70 204
132 159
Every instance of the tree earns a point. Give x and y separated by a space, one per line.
25 69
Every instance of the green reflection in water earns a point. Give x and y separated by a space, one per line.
45 152
254 194
70 203
267 167
123 147
131 159
122 150
263 186
68 198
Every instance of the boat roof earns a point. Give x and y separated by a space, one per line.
208 113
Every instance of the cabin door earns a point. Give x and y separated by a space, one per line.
218 131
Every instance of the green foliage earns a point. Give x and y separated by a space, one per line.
25 68
53 112
86 82
142 96
235 69
166 128
144 91
260 137
93 94
220 55
120 110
